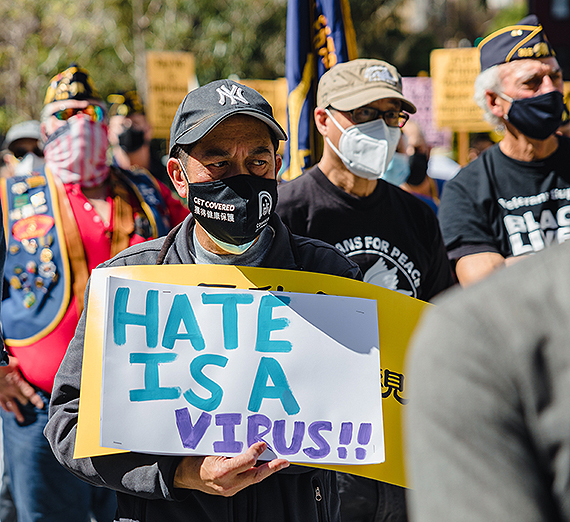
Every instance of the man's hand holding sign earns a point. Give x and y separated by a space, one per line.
226 476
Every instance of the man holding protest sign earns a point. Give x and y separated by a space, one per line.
223 157
513 199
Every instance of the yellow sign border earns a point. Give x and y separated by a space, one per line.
397 317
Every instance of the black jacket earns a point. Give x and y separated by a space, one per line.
144 483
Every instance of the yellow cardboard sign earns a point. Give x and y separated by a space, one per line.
275 92
170 76
397 317
453 72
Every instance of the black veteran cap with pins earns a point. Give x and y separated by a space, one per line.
515 42
204 108
72 84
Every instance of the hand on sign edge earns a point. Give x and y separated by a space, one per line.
226 476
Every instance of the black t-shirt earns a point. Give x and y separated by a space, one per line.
498 204
393 236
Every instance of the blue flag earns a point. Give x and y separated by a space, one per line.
319 35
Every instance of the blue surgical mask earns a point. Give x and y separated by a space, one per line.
398 170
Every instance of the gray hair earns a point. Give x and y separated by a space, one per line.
489 80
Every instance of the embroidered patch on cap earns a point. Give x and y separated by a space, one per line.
379 73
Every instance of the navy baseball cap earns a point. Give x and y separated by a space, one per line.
207 106
515 42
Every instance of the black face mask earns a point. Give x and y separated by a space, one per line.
418 168
233 210
131 139
537 117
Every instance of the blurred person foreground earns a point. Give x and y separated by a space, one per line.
488 382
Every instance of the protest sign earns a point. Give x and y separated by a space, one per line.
170 76
209 371
397 317
453 72
418 91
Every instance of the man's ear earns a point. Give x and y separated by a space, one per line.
278 164
495 103
321 120
177 176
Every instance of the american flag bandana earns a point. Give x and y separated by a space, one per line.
77 152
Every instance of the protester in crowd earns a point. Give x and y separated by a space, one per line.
479 143
398 169
130 135
489 399
419 183
344 200
22 149
62 223
513 199
223 151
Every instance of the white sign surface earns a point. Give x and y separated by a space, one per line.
206 371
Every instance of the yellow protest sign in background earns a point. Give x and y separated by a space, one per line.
397 317
170 76
275 92
453 72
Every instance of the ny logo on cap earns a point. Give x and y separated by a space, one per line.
379 73
235 95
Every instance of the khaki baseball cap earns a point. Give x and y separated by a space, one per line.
350 85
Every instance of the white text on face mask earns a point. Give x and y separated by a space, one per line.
213 205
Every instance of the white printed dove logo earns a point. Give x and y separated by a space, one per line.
379 274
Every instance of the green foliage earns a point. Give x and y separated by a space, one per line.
239 38
245 38
508 16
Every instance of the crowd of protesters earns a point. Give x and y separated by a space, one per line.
486 430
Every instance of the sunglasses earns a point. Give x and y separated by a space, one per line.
94 111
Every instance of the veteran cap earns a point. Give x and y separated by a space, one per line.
350 85
515 42
72 84
125 104
207 106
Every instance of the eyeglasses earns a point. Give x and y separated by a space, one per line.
94 111
366 114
